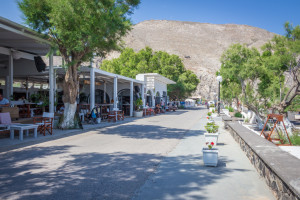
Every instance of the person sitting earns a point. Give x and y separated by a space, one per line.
157 109
3 101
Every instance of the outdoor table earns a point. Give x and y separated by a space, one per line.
21 128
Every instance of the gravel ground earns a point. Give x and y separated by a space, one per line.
107 163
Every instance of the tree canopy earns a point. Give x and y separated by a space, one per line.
79 29
266 79
131 63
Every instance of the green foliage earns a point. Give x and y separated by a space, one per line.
138 104
238 114
131 63
209 114
211 128
256 78
295 105
210 123
212 105
295 139
231 109
80 28
181 107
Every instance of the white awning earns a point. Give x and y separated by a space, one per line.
156 76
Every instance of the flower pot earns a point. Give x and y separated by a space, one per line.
210 156
214 114
138 113
210 121
211 137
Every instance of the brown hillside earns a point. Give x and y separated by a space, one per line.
200 45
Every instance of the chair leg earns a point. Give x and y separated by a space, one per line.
44 130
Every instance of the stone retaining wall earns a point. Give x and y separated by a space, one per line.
282 190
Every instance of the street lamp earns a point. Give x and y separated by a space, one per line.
219 79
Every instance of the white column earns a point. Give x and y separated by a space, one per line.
10 85
51 84
54 87
92 88
115 92
104 90
143 95
131 98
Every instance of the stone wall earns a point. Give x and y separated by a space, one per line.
281 190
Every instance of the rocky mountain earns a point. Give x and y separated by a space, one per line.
200 45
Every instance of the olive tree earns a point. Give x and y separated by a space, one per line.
79 29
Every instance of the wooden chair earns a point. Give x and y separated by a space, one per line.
111 116
45 123
121 115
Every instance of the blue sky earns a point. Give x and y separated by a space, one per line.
266 14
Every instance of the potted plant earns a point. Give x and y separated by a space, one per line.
210 155
214 113
211 107
138 108
231 111
209 118
212 133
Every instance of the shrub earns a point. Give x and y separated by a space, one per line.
247 120
231 109
295 138
209 114
226 107
238 114
212 128
213 110
212 105
210 123
181 107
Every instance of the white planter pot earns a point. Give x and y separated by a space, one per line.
138 113
211 137
211 109
214 115
210 156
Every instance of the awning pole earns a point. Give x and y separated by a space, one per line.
143 95
51 84
131 98
92 88
10 83
115 92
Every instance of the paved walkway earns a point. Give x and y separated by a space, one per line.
119 162
182 174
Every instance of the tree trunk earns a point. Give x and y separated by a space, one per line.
69 114
70 86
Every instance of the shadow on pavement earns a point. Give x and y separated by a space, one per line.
55 173
148 131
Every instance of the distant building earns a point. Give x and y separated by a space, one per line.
155 88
